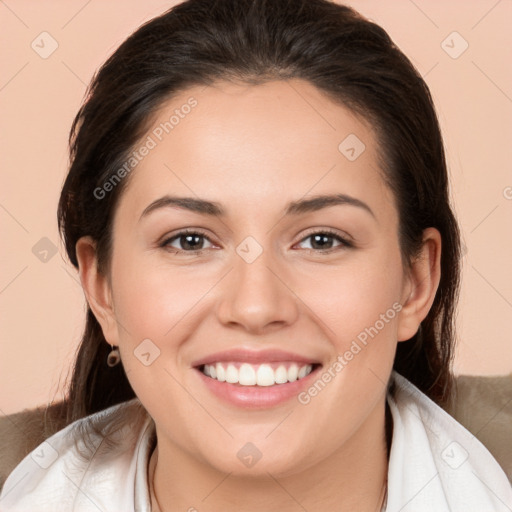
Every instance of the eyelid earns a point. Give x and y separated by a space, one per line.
331 231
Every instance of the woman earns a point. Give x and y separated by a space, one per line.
258 208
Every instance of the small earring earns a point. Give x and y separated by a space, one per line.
114 357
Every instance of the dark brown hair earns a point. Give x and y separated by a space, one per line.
350 59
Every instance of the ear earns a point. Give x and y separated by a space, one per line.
97 288
420 286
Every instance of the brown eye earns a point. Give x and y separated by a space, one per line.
325 241
186 241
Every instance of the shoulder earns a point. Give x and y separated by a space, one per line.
21 432
483 404
88 465
434 460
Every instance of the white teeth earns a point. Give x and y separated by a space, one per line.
246 375
221 373
265 376
302 372
293 373
231 374
259 375
281 375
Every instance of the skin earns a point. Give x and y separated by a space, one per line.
253 149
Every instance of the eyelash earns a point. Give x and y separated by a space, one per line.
345 243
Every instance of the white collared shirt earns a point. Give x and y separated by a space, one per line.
435 465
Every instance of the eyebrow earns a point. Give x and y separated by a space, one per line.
214 209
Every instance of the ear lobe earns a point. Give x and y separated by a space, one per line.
96 288
421 285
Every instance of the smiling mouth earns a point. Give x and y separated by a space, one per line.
266 374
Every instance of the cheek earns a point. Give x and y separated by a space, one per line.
352 298
152 298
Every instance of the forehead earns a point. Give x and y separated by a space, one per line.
255 144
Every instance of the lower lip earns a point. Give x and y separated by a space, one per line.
257 397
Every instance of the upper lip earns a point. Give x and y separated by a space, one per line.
254 356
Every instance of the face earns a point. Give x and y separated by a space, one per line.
267 281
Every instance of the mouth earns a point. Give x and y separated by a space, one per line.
261 379
260 375
255 379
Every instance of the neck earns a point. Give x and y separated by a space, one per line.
352 478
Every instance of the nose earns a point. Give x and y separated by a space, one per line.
258 296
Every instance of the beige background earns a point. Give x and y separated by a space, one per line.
42 305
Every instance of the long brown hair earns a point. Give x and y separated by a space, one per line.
344 55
